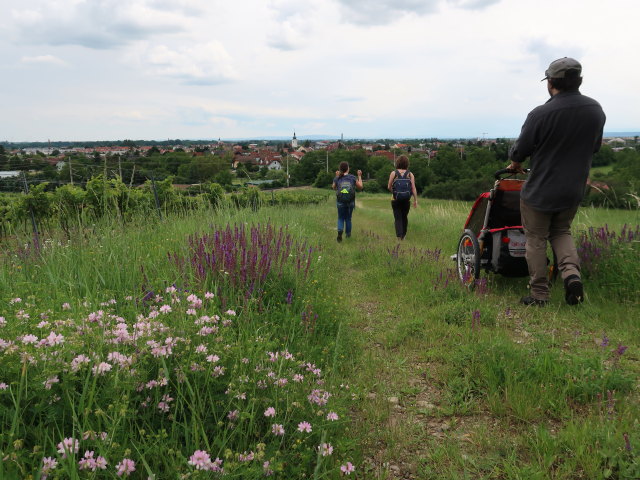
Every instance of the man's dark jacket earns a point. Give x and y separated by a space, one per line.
560 137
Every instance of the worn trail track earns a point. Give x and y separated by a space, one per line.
399 419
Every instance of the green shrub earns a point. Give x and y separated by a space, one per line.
372 187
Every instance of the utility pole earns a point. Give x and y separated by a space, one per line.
70 172
33 216
327 160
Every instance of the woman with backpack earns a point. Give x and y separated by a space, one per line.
345 186
402 185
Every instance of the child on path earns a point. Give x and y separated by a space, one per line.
345 186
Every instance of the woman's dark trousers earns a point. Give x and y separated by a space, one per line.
401 216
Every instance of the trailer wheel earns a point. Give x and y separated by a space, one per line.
468 259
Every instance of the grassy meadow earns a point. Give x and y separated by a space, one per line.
250 344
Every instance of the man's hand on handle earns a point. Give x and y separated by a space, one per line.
515 167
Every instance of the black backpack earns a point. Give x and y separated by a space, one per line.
402 186
345 191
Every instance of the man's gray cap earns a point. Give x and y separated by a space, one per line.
558 68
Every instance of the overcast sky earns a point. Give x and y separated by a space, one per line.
208 69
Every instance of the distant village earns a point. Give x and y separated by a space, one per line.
270 154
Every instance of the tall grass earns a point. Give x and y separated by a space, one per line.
605 257
239 339
461 381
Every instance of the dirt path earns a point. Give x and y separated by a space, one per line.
398 418
400 406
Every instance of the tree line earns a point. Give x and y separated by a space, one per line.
455 171
462 173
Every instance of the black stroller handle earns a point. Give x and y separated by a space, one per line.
499 173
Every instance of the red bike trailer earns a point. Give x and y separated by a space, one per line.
493 238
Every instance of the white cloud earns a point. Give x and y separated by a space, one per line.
356 118
200 64
187 7
289 36
293 24
26 16
350 99
472 4
132 115
203 116
97 24
283 9
382 12
313 127
545 52
44 59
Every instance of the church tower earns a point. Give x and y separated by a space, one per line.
294 141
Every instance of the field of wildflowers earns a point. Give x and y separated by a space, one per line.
219 371
249 344
168 386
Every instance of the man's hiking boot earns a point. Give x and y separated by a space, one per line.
573 290
529 300
339 239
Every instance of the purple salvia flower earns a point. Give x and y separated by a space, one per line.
621 349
